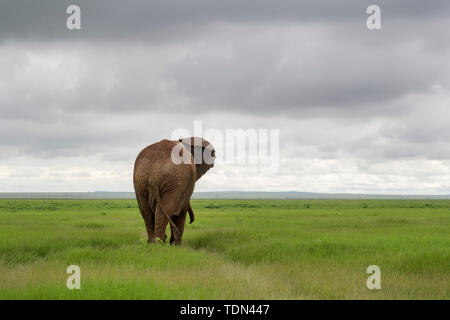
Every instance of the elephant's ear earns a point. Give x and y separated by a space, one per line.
195 146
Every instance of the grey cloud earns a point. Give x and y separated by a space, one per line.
159 20
296 71
308 70
349 102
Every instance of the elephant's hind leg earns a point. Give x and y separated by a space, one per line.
160 225
147 213
179 222
169 205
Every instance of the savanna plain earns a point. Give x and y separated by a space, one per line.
235 249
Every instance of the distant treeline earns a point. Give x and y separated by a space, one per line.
215 195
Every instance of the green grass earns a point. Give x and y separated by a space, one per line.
236 249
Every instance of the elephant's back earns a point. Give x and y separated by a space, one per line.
156 152
154 165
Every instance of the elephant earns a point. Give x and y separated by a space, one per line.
164 179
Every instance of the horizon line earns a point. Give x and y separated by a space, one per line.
235 191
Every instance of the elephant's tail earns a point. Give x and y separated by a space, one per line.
176 232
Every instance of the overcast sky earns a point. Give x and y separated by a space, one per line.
364 111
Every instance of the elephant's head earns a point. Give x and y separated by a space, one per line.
203 153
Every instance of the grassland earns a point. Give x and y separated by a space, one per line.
236 249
